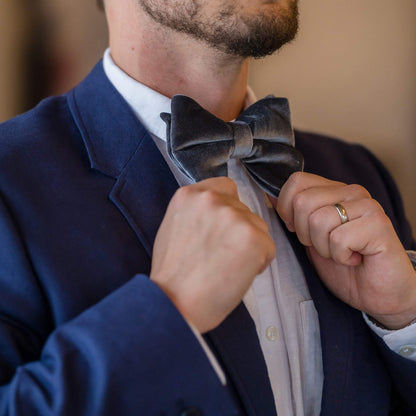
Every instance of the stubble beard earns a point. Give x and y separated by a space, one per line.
231 32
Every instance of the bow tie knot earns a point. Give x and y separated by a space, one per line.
201 144
243 140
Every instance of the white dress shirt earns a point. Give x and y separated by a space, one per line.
278 300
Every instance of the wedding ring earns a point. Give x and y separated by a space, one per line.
342 213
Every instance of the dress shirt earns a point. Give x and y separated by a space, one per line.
278 300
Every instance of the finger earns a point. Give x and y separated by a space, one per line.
365 234
216 195
297 183
222 185
223 191
308 202
210 193
270 253
242 229
235 212
311 200
321 223
259 223
326 219
266 252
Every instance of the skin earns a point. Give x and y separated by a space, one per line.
172 62
205 269
362 261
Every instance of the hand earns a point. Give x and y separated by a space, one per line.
208 250
362 261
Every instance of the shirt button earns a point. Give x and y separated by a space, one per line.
407 350
271 333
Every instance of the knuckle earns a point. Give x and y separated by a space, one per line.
337 248
249 233
253 237
372 208
300 202
223 183
266 254
317 218
228 215
377 207
295 179
182 195
380 218
355 191
230 183
264 225
336 237
209 198
371 205
271 246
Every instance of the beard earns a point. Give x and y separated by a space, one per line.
229 29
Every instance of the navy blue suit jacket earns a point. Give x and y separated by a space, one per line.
83 331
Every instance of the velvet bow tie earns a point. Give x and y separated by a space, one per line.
201 144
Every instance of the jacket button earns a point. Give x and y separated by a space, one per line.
191 412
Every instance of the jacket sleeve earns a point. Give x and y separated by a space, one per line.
401 369
131 353
403 374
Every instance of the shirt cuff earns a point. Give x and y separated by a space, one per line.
211 357
401 341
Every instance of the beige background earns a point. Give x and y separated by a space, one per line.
13 32
350 73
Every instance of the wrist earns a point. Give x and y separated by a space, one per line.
390 324
403 319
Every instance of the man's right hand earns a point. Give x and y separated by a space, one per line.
208 250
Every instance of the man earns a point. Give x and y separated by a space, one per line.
86 184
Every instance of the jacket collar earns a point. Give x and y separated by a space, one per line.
111 135
119 146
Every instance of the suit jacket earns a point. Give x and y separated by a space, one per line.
83 331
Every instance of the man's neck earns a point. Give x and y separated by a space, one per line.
172 63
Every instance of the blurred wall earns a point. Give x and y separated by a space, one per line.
77 37
13 36
351 73
46 47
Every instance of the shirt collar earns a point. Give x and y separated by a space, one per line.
146 103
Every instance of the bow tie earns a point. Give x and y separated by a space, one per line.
201 144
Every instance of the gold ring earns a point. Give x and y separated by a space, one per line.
342 213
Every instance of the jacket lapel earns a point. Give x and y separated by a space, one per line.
119 146
140 190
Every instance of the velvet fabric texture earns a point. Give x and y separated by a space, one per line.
262 138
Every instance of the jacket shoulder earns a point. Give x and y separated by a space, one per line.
34 126
332 157
35 140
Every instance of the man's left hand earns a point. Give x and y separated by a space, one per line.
361 261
